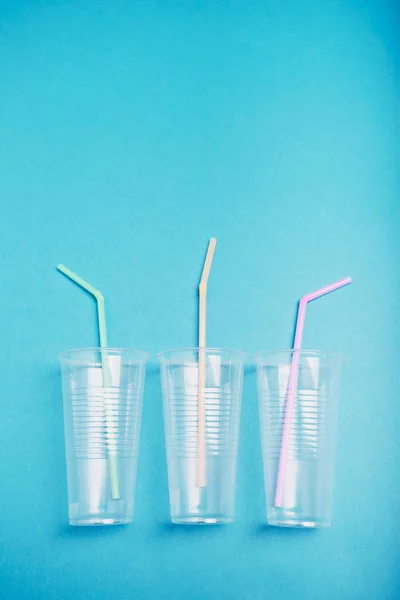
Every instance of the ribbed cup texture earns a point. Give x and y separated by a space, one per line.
309 437
308 484
105 419
221 407
222 399
102 430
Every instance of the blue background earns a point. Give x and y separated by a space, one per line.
131 132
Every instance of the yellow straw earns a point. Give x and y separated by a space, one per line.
201 409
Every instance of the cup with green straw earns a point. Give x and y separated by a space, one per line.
102 391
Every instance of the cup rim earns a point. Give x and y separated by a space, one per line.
239 353
67 353
327 354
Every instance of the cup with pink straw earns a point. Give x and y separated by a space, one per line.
298 401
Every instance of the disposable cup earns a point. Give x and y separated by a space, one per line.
102 429
213 503
309 470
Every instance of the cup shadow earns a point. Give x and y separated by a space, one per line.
76 532
167 528
263 530
250 500
54 421
152 485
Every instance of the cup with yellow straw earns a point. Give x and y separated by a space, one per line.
202 389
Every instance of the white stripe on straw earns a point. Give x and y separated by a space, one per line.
201 409
293 375
110 436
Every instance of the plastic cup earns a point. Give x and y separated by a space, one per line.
213 503
102 427
308 483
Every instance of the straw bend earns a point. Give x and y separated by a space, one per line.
201 408
207 266
292 384
90 288
110 434
325 290
97 295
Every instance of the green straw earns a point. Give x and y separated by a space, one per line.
101 315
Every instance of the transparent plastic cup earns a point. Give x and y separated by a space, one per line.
308 482
102 427
213 503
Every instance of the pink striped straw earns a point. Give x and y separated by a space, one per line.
293 375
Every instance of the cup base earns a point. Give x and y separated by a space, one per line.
298 523
93 521
201 520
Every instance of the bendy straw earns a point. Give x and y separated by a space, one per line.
112 459
201 412
293 376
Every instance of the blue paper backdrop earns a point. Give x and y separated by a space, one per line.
131 132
